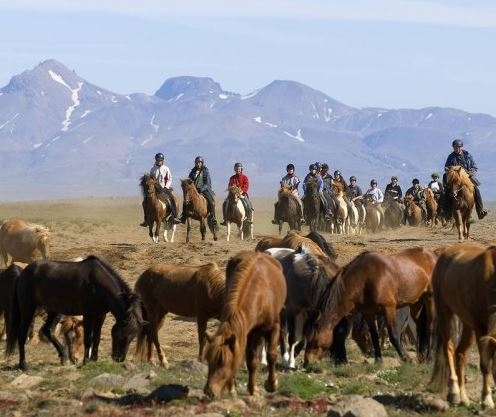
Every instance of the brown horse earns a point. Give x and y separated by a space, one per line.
157 209
376 283
464 284
235 212
413 212
431 206
256 291
288 209
314 242
189 291
393 212
195 207
312 204
70 328
461 192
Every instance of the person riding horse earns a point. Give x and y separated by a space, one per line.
377 197
418 197
241 180
291 180
463 158
164 178
314 175
394 189
200 176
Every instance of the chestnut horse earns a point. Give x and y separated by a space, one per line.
235 212
376 283
288 209
464 284
461 192
256 291
431 206
156 209
189 291
413 212
312 204
195 207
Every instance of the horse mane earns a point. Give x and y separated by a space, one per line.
285 189
123 285
143 184
213 278
339 188
235 189
457 174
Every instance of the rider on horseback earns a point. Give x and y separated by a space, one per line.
394 189
290 180
463 158
377 197
418 196
314 175
241 180
164 178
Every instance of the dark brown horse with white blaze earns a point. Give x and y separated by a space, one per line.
256 291
288 209
195 207
157 210
461 192
376 284
464 285
90 288
235 212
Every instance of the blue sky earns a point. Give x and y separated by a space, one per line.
364 53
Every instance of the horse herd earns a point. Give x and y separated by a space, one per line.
260 298
352 217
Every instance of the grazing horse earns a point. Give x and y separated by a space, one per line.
24 242
256 291
413 213
156 209
393 212
461 193
464 284
312 204
90 288
431 206
189 291
288 209
235 212
195 207
314 242
72 331
375 283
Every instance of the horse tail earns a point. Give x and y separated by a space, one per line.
13 325
440 370
143 339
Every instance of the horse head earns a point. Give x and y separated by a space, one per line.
234 193
458 179
148 185
337 187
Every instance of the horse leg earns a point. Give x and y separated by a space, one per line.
97 331
374 335
338 347
153 338
394 337
158 222
203 229
228 225
48 330
27 317
201 322
487 345
466 340
271 383
188 228
254 340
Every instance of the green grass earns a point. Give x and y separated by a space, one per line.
301 385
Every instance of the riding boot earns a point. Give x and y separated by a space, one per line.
173 209
224 214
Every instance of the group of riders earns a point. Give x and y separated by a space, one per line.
319 173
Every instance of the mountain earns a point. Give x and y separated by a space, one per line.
62 136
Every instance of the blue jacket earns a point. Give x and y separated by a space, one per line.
464 159
201 179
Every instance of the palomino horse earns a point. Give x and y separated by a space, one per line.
373 218
312 204
413 213
288 209
314 242
90 288
235 212
461 192
256 291
157 210
342 212
393 212
189 291
431 206
195 207
376 283
464 284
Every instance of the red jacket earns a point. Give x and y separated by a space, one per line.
241 180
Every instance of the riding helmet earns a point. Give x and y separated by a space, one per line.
238 165
198 159
290 166
325 166
373 182
312 166
434 175
352 178
415 181
159 156
337 172
318 165
457 142
394 178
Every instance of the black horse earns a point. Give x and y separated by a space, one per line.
90 288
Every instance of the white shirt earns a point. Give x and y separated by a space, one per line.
162 174
377 196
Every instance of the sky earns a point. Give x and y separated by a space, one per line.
363 53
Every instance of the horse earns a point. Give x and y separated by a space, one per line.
190 291
312 204
413 213
314 241
90 288
256 291
195 207
288 209
157 210
373 218
71 329
461 193
24 242
342 211
393 212
8 278
431 206
464 284
235 212
375 283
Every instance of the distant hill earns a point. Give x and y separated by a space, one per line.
62 136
